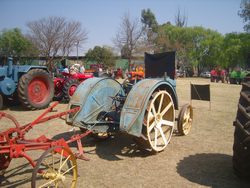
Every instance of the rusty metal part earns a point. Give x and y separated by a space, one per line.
93 96
13 143
133 111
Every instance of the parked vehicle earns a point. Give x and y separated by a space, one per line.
30 85
66 85
136 75
205 74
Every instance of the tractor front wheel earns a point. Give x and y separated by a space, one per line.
70 88
35 89
185 119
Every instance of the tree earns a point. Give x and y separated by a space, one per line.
101 55
128 37
148 19
180 20
245 14
236 49
56 36
195 46
150 28
14 43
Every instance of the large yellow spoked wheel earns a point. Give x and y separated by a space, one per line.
159 120
185 119
56 167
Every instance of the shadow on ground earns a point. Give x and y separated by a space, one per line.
210 169
114 148
6 180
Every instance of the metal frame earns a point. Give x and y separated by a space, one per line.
13 143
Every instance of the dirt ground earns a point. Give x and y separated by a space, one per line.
201 159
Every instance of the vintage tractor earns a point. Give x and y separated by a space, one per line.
66 85
31 85
146 111
136 75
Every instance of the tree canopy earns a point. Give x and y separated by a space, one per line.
13 43
148 19
204 48
101 55
245 14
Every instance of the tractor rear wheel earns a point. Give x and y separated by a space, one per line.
35 89
159 121
241 146
70 88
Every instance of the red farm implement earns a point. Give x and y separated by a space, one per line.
56 166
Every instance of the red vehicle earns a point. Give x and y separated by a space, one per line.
135 76
65 86
118 73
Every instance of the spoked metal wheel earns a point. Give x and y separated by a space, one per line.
159 120
56 167
185 119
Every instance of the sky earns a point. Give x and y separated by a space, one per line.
101 18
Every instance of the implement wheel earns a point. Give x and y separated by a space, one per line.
185 119
56 167
159 120
35 89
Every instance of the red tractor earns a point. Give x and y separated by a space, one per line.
136 75
66 85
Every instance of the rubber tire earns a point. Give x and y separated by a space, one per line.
1 102
59 97
23 89
69 83
241 146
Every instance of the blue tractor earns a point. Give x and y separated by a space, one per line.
32 86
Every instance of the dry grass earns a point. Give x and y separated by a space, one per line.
201 159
